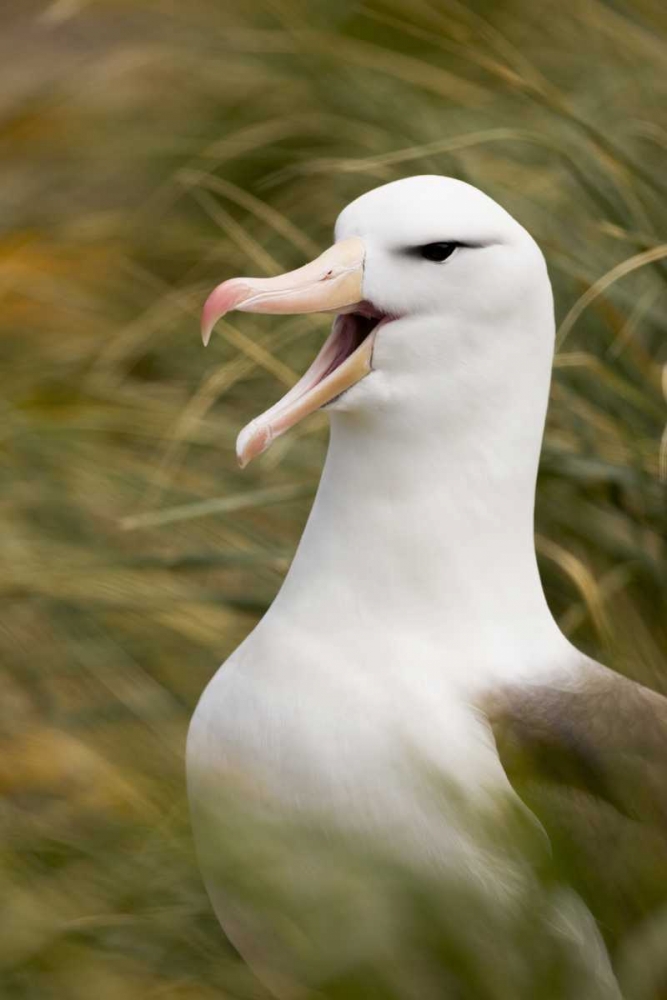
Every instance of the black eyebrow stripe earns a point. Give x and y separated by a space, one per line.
454 243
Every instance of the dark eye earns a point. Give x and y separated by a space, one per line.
437 251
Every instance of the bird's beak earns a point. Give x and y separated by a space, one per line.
331 283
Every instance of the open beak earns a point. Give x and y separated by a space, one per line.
331 283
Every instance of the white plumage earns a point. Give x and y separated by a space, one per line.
414 598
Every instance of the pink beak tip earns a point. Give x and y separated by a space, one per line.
210 316
241 455
252 442
206 331
229 295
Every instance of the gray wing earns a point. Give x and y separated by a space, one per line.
590 760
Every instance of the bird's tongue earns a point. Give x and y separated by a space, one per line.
331 283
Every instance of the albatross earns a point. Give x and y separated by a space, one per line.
412 624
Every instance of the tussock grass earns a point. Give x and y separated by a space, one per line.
148 150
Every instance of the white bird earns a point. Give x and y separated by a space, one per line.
412 623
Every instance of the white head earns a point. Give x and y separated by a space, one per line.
436 377
444 308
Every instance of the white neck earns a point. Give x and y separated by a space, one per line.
421 534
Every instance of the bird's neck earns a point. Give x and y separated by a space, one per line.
422 528
424 534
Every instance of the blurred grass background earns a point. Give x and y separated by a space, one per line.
149 149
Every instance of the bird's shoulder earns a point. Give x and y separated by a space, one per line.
589 727
587 753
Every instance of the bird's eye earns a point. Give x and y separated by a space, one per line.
437 251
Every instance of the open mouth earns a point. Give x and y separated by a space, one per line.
348 333
344 359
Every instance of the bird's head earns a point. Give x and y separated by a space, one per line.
429 279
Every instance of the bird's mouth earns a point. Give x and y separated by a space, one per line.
331 283
345 358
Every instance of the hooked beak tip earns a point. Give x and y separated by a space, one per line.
227 296
210 316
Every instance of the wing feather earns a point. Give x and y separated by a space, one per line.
589 757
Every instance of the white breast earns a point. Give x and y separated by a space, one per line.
320 736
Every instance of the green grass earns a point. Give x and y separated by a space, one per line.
147 150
